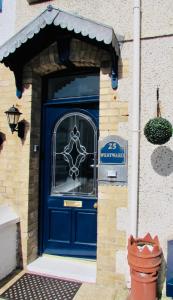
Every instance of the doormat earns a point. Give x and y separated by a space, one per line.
36 287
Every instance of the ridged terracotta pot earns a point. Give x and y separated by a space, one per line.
144 259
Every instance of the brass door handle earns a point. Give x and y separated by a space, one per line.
95 205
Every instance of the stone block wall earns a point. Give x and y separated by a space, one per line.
19 176
111 238
14 156
34 167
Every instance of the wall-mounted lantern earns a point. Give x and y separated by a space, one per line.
13 115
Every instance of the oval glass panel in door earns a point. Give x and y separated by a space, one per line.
74 155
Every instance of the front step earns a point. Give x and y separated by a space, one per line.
83 270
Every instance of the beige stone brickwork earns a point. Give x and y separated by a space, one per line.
34 166
110 239
14 156
112 112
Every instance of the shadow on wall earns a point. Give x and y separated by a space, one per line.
25 128
19 256
162 160
2 140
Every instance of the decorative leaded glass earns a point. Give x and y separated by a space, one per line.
74 155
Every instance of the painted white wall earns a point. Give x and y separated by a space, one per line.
7 20
8 261
8 234
156 162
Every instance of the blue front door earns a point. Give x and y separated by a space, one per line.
69 178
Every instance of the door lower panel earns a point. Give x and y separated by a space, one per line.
85 219
60 226
67 230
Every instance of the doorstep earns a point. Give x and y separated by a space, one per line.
82 270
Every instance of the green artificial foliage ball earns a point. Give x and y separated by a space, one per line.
158 131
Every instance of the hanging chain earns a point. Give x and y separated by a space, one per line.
158 103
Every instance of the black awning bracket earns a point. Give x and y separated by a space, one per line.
114 75
18 74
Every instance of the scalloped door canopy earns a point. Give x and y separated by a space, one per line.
56 25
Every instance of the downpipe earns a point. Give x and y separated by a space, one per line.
135 125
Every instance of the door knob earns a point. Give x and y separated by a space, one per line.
95 205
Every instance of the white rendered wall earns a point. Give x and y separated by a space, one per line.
8 261
8 238
156 162
7 20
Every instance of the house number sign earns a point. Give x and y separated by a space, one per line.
113 160
113 153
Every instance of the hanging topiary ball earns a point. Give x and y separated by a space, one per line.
158 131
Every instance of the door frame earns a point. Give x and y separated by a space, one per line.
67 101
